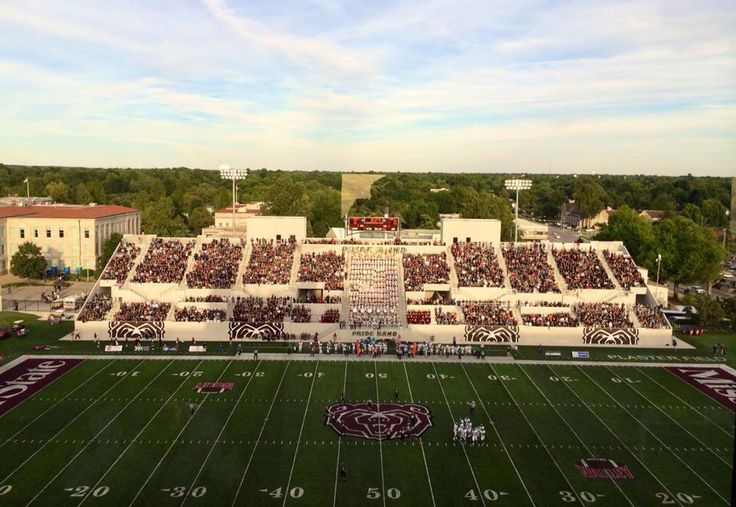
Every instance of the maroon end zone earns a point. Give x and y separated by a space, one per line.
378 421
25 379
713 381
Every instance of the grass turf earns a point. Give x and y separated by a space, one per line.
118 432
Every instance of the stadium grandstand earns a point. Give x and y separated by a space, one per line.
465 285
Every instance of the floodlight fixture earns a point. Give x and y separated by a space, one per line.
229 173
517 184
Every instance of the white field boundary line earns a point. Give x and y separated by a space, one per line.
53 437
260 434
14 362
67 395
339 441
380 440
564 420
421 443
222 430
97 435
173 442
150 420
656 438
615 435
728 433
498 436
301 430
536 434
472 472
638 393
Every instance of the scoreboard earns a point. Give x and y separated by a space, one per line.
384 224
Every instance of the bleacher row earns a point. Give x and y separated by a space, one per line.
371 282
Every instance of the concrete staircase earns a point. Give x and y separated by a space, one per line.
608 269
190 260
296 262
247 250
454 282
402 293
504 268
145 245
558 276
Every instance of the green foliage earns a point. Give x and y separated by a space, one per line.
710 311
58 191
635 231
198 219
590 197
108 248
484 204
28 261
286 198
714 213
692 211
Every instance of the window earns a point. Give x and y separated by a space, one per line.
48 233
86 234
35 233
22 233
61 233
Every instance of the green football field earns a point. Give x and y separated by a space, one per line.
119 432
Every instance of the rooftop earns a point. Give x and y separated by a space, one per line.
65 211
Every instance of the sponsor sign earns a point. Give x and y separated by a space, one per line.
142 348
553 353
23 380
213 387
715 382
378 421
603 468
113 348
581 354
197 348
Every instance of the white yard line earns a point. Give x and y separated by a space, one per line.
380 440
265 420
656 438
498 436
615 435
421 444
173 442
631 386
339 441
132 441
544 446
97 435
301 429
53 437
564 420
729 433
52 406
467 458
222 430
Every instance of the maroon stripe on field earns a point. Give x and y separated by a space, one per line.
713 381
23 380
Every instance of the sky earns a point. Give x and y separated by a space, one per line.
644 87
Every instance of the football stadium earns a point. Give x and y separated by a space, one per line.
270 368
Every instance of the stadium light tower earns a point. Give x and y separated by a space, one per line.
228 173
517 184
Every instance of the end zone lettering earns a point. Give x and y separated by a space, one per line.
213 387
715 382
603 468
23 380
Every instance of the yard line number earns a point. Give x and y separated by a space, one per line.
180 491
489 494
375 493
82 491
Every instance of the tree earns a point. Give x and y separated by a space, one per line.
710 311
325 212
692 211
108 248
714 213
199 218
286 198
28 262
590 197
159 218
690 254
82 195
58 191
484 204
635 231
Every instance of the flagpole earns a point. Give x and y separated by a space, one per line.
28 190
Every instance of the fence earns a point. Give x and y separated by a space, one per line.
30 305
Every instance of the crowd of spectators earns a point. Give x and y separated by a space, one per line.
325 267
550 320
581 269
434 300
210 298
487 313
313 298
445 318
373 289
256 310
194 314
624 269
330 316
528 268
96 308
476 265
216 265
149 311
548 304
165 262
121 262
300 313
425 268
418 316
612 315
650 317
270 262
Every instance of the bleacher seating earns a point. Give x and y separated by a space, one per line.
270 262
96 308
528 268
325 267
373 289
624 270
255 310
425 268
581 269
651 318
418 316
487 313
476 265
194 314
149 311
330 316
550 320
120 263
165 262
611 315
216 265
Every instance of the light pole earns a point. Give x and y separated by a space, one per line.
228 173
659 261
517 184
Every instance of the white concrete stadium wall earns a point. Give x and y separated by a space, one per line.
478 230
269 227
